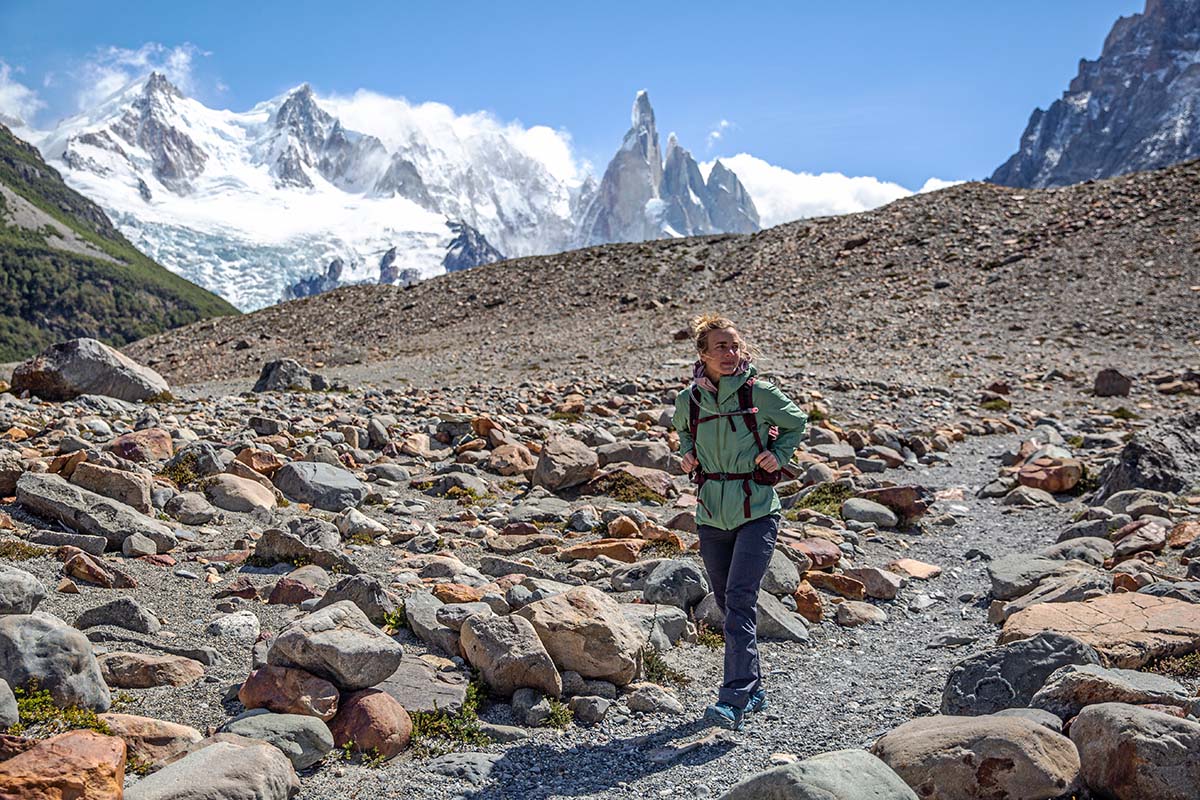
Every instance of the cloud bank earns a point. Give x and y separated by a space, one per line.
18 103
112 68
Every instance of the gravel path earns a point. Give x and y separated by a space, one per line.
843 689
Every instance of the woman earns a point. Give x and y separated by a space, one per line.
725 420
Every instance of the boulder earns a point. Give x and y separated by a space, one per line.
85 366
853 613
1008 676
304 740
782 577
51 497
320 485
420 686
1076 582
78 764
564 462
777 621
662 626
510 459
337 643
123 670
20 592
421 609
41 647
230 767
1164 458
676 582
131 488
509 655
306 544
191 508
364 591
286 690
584 630
231 493
908 503
836 775
1131 753
879 584
652 454
1127 630
859 509
1074 687
1016 574
1112 383
970 758
287 375
152 742
1053 475
301 584
374 722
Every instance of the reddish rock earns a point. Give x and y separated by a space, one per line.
457 593
241 586
302 583
88 568
123 670
1054 475
131 488
511 459
1183 534
286 690
809 603
909 503
623 527
626 550
373 721
152 741
821 552
151 444
915 569
842 585
261 461
78 765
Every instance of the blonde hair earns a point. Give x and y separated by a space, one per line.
705 324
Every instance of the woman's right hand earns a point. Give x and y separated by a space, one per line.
690 462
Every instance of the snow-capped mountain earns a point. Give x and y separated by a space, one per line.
641 197
1135 108
303 193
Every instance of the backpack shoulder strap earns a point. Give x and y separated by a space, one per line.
749 411
694 412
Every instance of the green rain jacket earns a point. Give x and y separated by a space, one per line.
721 449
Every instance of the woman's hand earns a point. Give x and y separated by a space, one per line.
767 461
690 462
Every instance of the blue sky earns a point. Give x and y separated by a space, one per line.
897 90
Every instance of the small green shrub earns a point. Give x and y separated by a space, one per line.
16 550
624 487
1185 666
825 499
1121 412
561 715
396 620
657 670
566 416
707 636
39 717
996 404
661 548
438 732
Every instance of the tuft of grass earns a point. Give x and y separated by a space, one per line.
657 670
816 415
1121 412
16 550
421 486
566 416
395 621
624 487
469 497
182 470
138 766
561 715
295 561
1075 441
1089 483
38 717
438 732
709 637
996 404
825 499
661 548
1185 666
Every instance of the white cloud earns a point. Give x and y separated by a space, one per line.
717 133
112 68
397 122
18 103
781 195
933 184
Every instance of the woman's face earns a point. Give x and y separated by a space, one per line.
723 352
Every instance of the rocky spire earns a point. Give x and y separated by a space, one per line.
684 192
730 207
1135 108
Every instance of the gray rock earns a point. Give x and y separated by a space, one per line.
589 709
652 454
839 453
777 621
418 686
43 648
530 707
1029 497
191 508
1089 550
651 698
232 768
782 577
1188 591
868 511
304 544
1008 676
49 496
69 369
564 462
474 768
321 485
1164 458
421 609
20 592
509 655
286 375
137 545
1076 582
304 740
632 577
837 775
366 592
663 626
95 545
9 713
1016 574
1074 687
337 643
454 615
193 461
123 612
1041 717
676 582
1133 753
1088 529
1112 383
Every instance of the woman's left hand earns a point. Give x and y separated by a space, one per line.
767 461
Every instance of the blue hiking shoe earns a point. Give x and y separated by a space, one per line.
725 716
758 701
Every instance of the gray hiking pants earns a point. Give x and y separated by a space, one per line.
736 561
